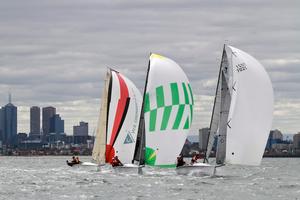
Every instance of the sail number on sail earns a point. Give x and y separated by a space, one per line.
241 67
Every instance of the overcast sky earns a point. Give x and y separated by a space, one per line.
55 52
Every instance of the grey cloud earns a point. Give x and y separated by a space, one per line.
57 51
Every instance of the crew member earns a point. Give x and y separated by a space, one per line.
77 160
195 158
180 161
74 161
116 162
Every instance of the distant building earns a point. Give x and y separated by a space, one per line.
1 132
8 124
296 141
57 125
203 138
81 133
280 147
48 112
30 144
35 121
56 137
22 137
275 137
1 124
81 130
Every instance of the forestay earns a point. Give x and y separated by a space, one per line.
168 111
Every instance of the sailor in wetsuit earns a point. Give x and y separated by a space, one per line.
180 161
116 162
74 161
77 160
195 158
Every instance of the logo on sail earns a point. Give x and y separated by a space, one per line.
174 115
128 139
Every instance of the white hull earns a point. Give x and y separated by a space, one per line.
129 169
88 164
197 169
82 164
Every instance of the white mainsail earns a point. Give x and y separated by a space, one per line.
168 110
242 110
215 118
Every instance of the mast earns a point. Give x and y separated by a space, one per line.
224 122
214 122
139 154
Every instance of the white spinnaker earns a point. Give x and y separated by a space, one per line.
100 139
251 110
125 143
165 138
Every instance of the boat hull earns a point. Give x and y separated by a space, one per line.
88 164
81 164
198 169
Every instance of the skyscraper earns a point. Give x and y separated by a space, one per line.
8 123
80 133
81 130
48 112
57 125
35 121
1 124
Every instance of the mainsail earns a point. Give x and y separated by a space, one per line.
168 111
244 110
98 154
123 105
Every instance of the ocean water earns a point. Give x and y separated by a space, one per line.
50 178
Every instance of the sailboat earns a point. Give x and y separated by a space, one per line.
242 112
167 113
118 121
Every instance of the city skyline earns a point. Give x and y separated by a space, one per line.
56 54
81 122
41 121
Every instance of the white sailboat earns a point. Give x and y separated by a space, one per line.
242 113
118 121
166 114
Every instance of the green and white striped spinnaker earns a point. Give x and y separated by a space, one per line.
168 111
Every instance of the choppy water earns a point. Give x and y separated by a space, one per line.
51 178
